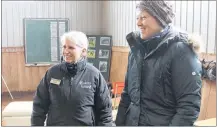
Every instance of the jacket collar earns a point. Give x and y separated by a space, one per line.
134 39
73 68
157 35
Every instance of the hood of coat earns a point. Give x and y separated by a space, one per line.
195 42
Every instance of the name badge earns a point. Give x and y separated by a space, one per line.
55 81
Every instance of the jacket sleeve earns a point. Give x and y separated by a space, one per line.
186 83
124 102
41 103
103 104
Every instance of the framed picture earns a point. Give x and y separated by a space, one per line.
103 53
92 42
105 41
91 53
103 66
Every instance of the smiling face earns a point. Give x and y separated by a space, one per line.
72 52
147 24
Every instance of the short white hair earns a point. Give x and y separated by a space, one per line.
79 38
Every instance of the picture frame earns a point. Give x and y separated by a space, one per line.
103 66
91 53
105 41
92 42
103 53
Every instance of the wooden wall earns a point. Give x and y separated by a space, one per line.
18 76
119 63
208 101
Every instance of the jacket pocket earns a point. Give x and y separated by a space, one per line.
132 115
128 109
56 115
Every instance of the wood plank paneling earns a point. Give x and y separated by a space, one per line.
205 97
5 69
13 69
27 72
119 62
18 76
211 103
21 70
34 78
208 101
42 71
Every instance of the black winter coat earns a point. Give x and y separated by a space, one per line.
72 99
162 84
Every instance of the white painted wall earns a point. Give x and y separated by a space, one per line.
193 16
83 16
116 18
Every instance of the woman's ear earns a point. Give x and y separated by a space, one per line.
84 53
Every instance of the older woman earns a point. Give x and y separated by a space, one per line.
72 93
163 80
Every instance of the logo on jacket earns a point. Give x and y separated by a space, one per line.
55 81
85 84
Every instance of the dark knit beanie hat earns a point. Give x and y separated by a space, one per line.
162 11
